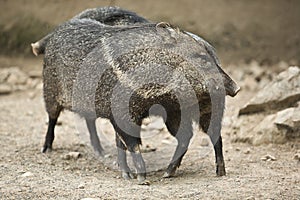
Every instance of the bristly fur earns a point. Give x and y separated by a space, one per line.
106 15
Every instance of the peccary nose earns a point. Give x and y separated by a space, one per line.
233 90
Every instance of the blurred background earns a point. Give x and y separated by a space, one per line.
242 31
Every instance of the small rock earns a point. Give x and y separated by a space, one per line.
283 92
147 149
16 76
268 158
5 89
81 186
35 74
166 142
250 198
247 151
146 121
157 124
237 149
27 174
72 155
297 156
204 142
107 156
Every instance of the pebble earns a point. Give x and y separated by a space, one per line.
297 156
35 74
5 89
166 142
81 186
27 174
247 151
147 149
268 158
204 142
107 156
72 155
156 124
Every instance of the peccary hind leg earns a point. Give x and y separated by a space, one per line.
49 135
94 136
183 132
212 126
122 159
132 142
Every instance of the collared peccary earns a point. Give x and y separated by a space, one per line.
121 72
112 16
106 15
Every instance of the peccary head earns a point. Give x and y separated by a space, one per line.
231 88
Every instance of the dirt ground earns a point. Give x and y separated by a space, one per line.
28 174
25 173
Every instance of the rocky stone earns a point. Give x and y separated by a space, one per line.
289 121
16 76
147 149
72 155
13 79
281 93
35 74
297 155
273 115
81 186
27 174
156 124
266 132
268 158
264 129
5 89
247 151
204 142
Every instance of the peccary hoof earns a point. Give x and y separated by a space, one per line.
170 171
46 149
220 170
127 175
168 174
142 179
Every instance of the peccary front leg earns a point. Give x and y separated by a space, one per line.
94 136
49 135
183 132
122 159
212 126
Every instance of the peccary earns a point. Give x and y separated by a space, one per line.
121 72
107 15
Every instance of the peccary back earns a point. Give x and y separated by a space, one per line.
107 15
